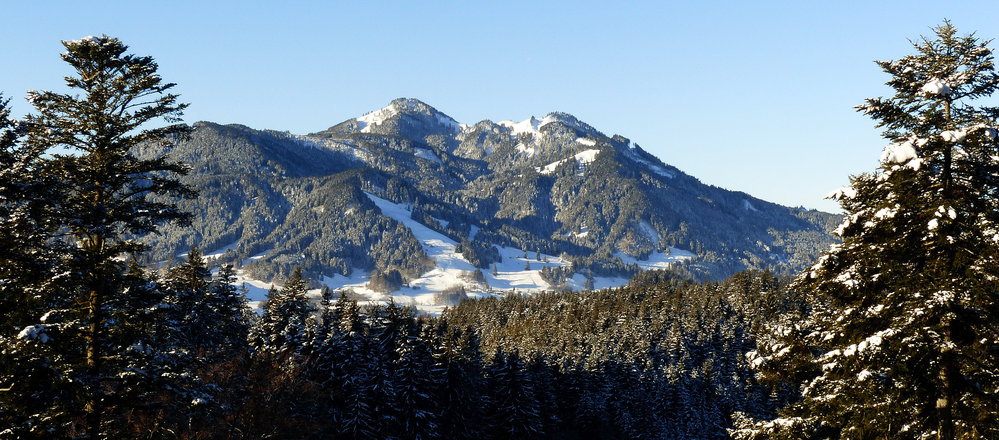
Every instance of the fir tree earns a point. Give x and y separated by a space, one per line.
513 406
102 199
281 331
351 353
460 396
903 337
418 378
228 311
32 384
27 197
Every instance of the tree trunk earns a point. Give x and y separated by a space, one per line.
95 313
945 419
945 392
93 406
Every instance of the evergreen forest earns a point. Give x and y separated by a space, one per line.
892 333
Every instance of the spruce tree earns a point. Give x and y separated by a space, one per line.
902 340
513 406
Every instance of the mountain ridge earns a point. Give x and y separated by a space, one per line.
554 187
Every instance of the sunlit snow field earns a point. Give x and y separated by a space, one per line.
511 273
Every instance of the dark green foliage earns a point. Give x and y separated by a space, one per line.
97 328
289 223
899 339
209 312
293 198
480 254
513 408
281 331
386 282
654 361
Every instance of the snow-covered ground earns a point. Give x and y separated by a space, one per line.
530 125
655 168
377 117
512 272
424 153
582 158
451 267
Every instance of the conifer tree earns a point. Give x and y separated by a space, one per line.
227 307
102 199
352 361
281 330
903 337
417 378
210 313
31 383
27 197
513 406
460 396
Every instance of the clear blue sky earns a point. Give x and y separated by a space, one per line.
753 96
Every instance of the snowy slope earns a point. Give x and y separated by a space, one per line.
511 273
367 122
530 125
582 158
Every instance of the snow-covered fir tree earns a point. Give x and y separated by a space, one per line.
902 340
36 398
282 330
210 312
460 395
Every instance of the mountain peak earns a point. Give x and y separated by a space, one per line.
405 106
533 125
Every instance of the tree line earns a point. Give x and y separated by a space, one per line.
894 333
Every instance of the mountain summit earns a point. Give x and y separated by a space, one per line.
407 201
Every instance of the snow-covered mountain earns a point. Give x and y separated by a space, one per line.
407 202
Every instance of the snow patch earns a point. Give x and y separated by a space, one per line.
582 158
530 125
936 86
749 206
343 146
578 282
87 39
367 122
658 260
36 332
954 136
587 142
221 251
646 229
259 256
655 168
846 192
424 153
526 150
377 117
899 153
511 273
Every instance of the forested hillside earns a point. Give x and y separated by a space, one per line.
892 333
602 206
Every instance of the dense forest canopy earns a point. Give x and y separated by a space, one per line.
893 333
